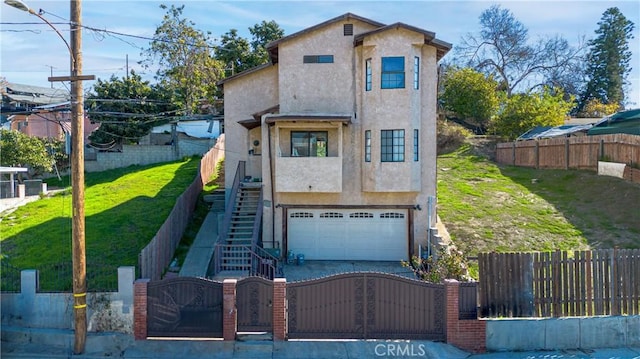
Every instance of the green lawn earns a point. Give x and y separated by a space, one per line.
124 208
488 207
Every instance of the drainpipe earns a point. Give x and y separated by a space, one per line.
273 205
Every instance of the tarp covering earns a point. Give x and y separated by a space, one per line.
196 129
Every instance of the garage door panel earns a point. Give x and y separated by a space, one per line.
348 234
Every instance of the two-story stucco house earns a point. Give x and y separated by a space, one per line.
340 130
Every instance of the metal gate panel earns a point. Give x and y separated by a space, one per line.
184 307
366 306
402 308
329 308
254 297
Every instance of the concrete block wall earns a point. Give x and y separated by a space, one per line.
108 311
563 333
148 154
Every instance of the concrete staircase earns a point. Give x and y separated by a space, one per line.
236 243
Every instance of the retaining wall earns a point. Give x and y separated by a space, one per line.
563 333
106 312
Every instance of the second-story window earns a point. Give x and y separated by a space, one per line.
392 145
416 72
392 72
317 59
416 146
367 69
309 143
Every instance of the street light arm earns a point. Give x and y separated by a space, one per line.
20 5
73 60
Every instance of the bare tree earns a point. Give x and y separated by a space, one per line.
503 49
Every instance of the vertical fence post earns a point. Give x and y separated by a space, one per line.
229 311
452 299
140 309
537 154
279 309
566 154
513 153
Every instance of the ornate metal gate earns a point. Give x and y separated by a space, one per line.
184 307
366 306
254 297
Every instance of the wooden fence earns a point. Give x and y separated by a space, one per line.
560 284
156 256
581 152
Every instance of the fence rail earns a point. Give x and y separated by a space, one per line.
560 284
574 152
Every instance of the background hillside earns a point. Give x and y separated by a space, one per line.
489 207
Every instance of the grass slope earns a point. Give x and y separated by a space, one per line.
124 208
488 207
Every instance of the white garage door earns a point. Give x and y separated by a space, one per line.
329 234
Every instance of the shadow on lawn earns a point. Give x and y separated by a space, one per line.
113 237
604 209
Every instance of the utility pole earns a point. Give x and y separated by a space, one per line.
77 180
77 164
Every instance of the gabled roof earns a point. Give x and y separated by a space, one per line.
272 47
243 73
429 37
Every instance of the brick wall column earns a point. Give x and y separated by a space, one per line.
452 309
468 335
229 311
279 309
140 309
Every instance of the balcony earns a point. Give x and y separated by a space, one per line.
308 174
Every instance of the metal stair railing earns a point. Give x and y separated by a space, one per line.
228 214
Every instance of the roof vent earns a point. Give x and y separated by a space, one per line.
348 29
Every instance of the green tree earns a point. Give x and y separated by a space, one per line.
524 111
184 57
608 60
235 53
470 95
20 150
239 54
502 49
127 108
595 108
264 33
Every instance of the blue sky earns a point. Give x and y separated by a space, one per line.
28 51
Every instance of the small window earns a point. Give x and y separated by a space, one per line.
416 145
392 72
392 215
301 215
367 146
317 59
309 143
331 215
416 72
361 215
367 67
348 29
392 146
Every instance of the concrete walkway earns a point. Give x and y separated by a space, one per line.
197 261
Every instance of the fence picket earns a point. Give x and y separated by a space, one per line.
552 284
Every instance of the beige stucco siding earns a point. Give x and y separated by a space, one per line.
243 97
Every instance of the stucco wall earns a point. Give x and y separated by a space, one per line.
111 311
